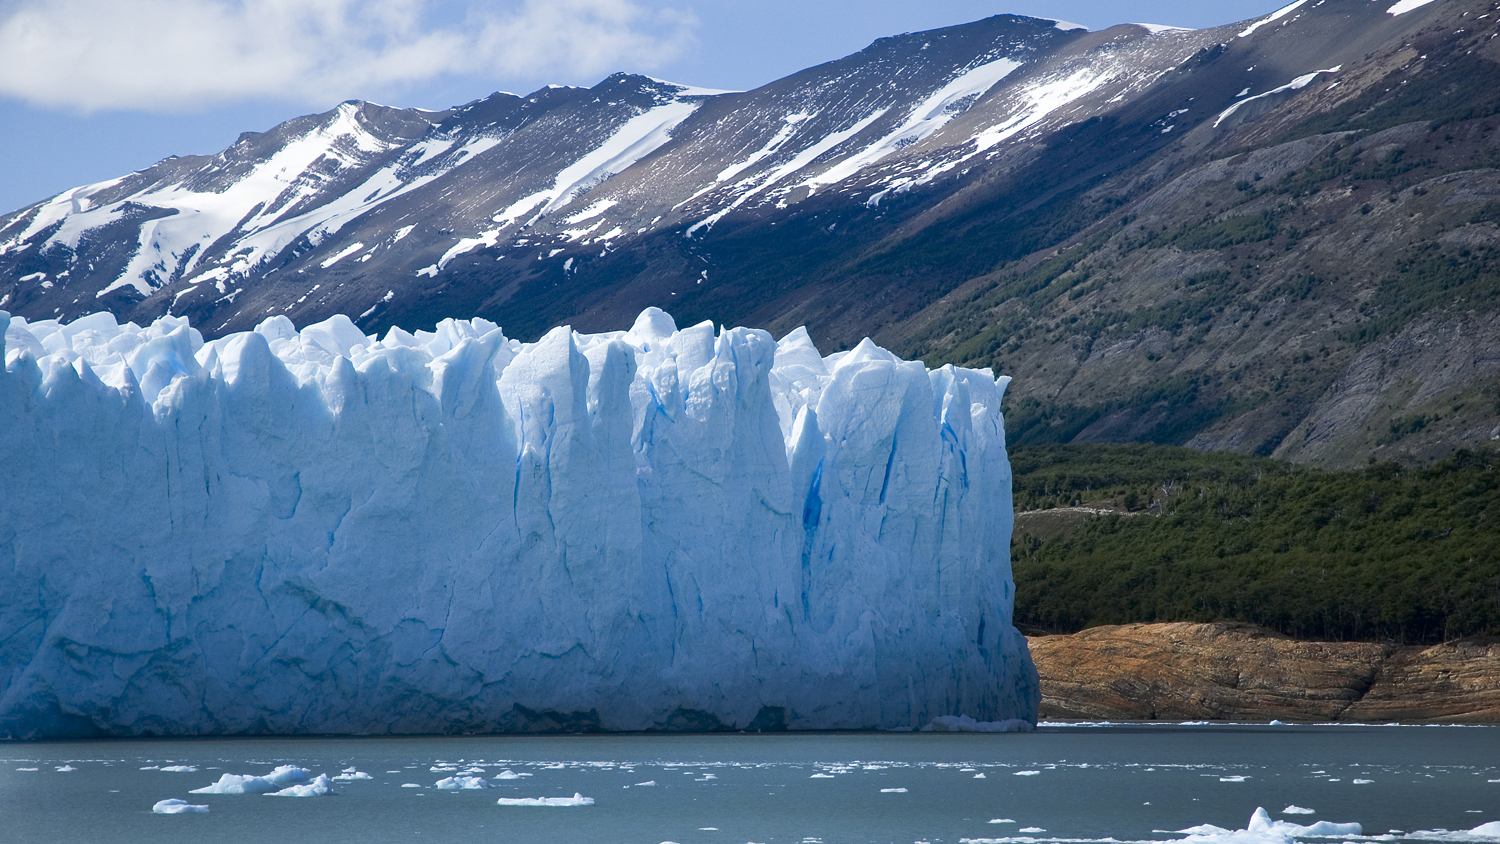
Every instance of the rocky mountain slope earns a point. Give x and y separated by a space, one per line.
1238 672
1278 237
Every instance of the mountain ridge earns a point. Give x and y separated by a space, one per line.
1125 220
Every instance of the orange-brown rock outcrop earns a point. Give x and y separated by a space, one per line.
1239 672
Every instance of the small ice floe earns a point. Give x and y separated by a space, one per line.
317 788
461 782
1485 832
965 724
444 769
1032 829
66 768
151 768
178 769
892 791
1297 810
1027 773
1262 830
351 774
277 780
979 776
508 774
411 785
576 800
28 769
646 783
1001 820
1363 782
1235 778
821 777
1276 723
174 806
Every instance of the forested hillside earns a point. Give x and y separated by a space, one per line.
1380 553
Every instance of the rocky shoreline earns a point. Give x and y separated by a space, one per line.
1240 672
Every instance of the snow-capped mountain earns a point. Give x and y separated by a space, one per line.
371 210
879 194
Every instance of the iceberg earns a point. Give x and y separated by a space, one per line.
319 531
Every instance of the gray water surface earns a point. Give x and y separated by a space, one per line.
1059 784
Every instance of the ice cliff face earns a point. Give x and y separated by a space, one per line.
284 532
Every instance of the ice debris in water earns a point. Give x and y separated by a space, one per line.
621 527
457 783
280 778
965 724
1297 810
174 806
1263 830
319 787
576 800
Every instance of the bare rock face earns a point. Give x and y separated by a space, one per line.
1240 672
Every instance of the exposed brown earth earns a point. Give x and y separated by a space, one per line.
1240 672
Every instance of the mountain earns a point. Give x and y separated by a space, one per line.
1278 237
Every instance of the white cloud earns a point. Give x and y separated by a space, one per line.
172 54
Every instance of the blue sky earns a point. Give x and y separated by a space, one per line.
92 89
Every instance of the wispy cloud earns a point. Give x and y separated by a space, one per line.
90 55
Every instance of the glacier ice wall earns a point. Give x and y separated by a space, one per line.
321 532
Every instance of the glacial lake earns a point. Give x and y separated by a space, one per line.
1063 784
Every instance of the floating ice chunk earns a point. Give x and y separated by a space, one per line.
349 776
508 774
647 782
1486 832
174 806
178 769
1001 820
821 777
965 724
1027 773
317 788
66 768
461 782
1233 778
1032 829
411 785
1263 830
280 778
28 769
576 800
892 791
1363 782
1297 810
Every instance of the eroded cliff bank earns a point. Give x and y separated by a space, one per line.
1240 672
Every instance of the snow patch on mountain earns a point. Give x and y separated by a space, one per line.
1038 100
1272 18
927 117
1405 6
799 161
1295 85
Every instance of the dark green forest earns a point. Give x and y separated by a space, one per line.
1383 553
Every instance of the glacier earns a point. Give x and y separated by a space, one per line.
318 531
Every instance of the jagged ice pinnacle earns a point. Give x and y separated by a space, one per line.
323 532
